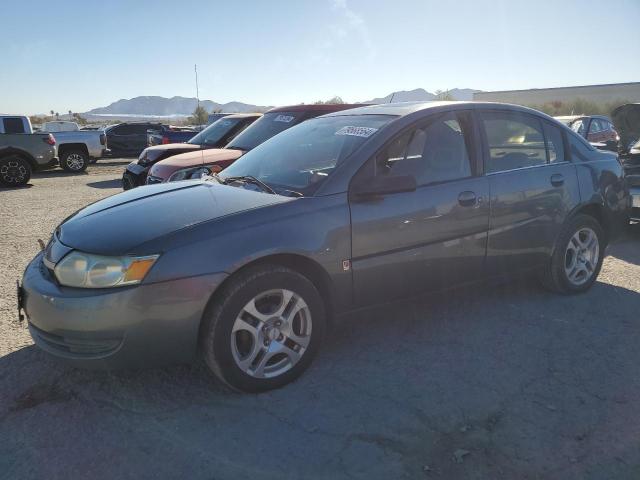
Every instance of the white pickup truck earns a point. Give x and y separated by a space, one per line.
76 148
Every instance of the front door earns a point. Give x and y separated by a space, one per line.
533 188
432 237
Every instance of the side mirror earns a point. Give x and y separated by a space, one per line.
377 186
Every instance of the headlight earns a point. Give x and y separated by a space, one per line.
189 173
85 270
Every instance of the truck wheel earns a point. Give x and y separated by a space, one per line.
263 329
577 258
14 171
74 161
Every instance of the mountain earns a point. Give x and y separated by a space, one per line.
175 106
183 106
421 95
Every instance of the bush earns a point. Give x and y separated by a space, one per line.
579 106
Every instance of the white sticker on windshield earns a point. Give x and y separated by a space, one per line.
365 132
284 118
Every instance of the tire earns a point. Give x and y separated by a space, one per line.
15 171
567 258
74 161
251 353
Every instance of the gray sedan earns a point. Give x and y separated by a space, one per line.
340 212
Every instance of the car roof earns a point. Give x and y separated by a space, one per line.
242 115
324 107
405 108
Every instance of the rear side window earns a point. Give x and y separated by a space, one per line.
579 148
432 153
515 140
13 125
596 126
555 143
122 130
143 127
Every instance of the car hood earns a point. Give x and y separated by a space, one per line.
160 151
118 224
626 119
203 157
167 167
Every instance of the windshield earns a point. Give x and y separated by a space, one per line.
301 158
264 128
215 132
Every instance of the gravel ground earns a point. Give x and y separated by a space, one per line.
503 382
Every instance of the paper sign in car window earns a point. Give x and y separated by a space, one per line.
364 132
284 118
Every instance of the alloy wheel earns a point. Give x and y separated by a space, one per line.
75 161
582 256
13 171
271 333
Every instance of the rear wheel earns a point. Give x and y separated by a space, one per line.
577 259
15 171
263 330
74 161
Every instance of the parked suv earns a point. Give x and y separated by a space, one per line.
129 139
344 211
22 151
216 135
196 164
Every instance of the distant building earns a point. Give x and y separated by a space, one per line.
611 92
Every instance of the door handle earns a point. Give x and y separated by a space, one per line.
467 199
557 180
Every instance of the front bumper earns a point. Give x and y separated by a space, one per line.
134 176
127 327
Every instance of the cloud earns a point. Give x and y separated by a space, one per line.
352 22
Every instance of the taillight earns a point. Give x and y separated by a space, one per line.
49 139
165 140
103 139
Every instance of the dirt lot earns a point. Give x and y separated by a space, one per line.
504 382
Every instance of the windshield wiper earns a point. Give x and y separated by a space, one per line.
250 179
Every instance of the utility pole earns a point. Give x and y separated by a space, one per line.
195 68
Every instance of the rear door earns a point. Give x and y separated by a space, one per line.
433 237
532 186
119 139
139 137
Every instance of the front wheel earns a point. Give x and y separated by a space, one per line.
577 259
263 329
74 161
14 171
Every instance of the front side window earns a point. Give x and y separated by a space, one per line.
434 152
578 127
13 125
515 140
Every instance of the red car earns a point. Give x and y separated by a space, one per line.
203 162
594 128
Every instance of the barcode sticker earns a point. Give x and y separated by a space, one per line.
365 132
284 118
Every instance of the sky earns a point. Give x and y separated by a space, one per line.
81 54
